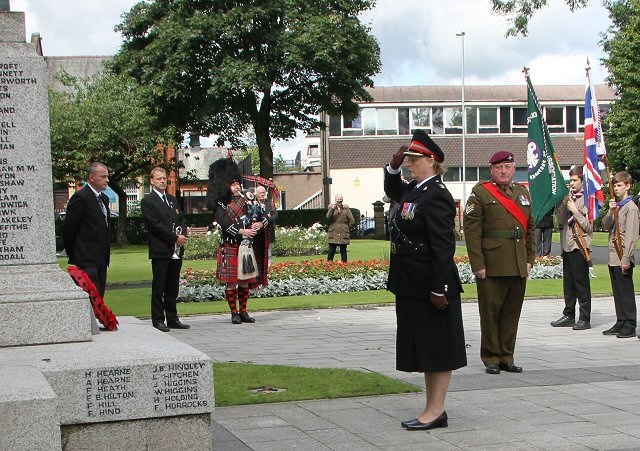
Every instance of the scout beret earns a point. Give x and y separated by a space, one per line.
423 146
501 156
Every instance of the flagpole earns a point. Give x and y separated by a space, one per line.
618 238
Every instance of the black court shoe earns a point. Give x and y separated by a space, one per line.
441 422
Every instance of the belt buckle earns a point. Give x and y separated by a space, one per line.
393 248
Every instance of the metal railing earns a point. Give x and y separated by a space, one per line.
313 201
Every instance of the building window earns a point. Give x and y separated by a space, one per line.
387 121
571 119
521 175
421 118
472 120
437 123
452 174
453 121
352 127
313 150
555 119
335 126
404 127
518 120
369 120
484 173
471 174
487 120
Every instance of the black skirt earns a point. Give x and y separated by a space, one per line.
429 340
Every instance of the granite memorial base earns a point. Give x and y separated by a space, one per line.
28 410
134 388
41 304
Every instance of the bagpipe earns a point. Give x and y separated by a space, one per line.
246 205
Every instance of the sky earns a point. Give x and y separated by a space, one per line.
417 39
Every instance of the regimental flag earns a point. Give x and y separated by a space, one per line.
546 183
594 151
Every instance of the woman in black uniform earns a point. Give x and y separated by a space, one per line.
424 277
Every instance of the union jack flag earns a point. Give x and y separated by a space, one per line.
594 151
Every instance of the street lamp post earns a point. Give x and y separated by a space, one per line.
464 131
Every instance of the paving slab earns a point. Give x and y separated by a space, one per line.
580 390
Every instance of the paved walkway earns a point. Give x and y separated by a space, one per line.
580 389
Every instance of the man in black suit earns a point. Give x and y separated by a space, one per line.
86 227
167 234
85 232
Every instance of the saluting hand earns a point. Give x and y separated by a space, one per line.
398 158
439 301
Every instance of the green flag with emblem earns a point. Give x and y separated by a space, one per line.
546 183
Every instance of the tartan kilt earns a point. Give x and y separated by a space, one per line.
227 271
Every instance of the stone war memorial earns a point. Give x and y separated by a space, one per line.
60 386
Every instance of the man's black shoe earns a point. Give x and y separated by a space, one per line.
235 318
510 368
612 330
162 327
177 325
493 369
245 318
627 332
582 325
565 321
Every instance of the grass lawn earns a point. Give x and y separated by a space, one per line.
247 383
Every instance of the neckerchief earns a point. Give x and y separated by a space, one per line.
574 196
508 204
621 204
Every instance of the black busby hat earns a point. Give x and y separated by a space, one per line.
423 146
222 173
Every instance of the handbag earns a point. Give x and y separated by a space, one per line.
247 264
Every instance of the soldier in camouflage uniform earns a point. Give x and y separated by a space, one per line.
499 232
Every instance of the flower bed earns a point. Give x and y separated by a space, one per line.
322 277
289 241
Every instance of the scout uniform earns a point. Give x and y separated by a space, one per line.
575 239
502 245
622 283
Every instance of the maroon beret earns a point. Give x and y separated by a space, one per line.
501 156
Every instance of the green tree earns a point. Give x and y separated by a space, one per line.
226 66
104 118
519 12
621 43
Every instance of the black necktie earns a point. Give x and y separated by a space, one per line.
164 198
103 208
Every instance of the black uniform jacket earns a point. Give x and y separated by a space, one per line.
85 232
162 220
423 217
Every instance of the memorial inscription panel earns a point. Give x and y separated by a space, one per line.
26 202
126 392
